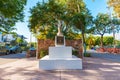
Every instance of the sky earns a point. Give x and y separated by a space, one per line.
95 7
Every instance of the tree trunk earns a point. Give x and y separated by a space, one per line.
83 43
37 54
114 44
101 41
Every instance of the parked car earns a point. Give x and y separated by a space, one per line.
15 49
7 49
31 52
4 50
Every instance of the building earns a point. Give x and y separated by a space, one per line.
9 37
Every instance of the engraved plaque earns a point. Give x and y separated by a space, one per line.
60 40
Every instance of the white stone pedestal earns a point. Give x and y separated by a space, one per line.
60 52
60 58
47 63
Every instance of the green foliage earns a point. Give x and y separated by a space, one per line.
25 48
73 13
81 18
117 44
13 42
11 11
6 25
43 53
115 24
108 40
102 24
90 40
12 8
45 15
50 33
19 40
32 44
87 55
76 53
47 33
95 40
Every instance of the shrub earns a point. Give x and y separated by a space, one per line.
75 52
87 55
25 48
43 53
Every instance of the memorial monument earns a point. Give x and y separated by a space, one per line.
59 39
60 56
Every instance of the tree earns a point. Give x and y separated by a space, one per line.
115 23
46 14
12 8
81 18
11 11
116 6
47 33
72 14
92 40
19 40
8 30
102 25
6 24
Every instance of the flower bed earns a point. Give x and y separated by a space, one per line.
109 50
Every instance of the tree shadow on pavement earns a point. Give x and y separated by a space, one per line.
93 69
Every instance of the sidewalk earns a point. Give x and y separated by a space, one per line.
93 69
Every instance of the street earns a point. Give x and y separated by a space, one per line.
11 57
106 55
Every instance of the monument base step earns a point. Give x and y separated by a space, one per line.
47 63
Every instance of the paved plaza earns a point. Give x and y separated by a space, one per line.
11 58
93 69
